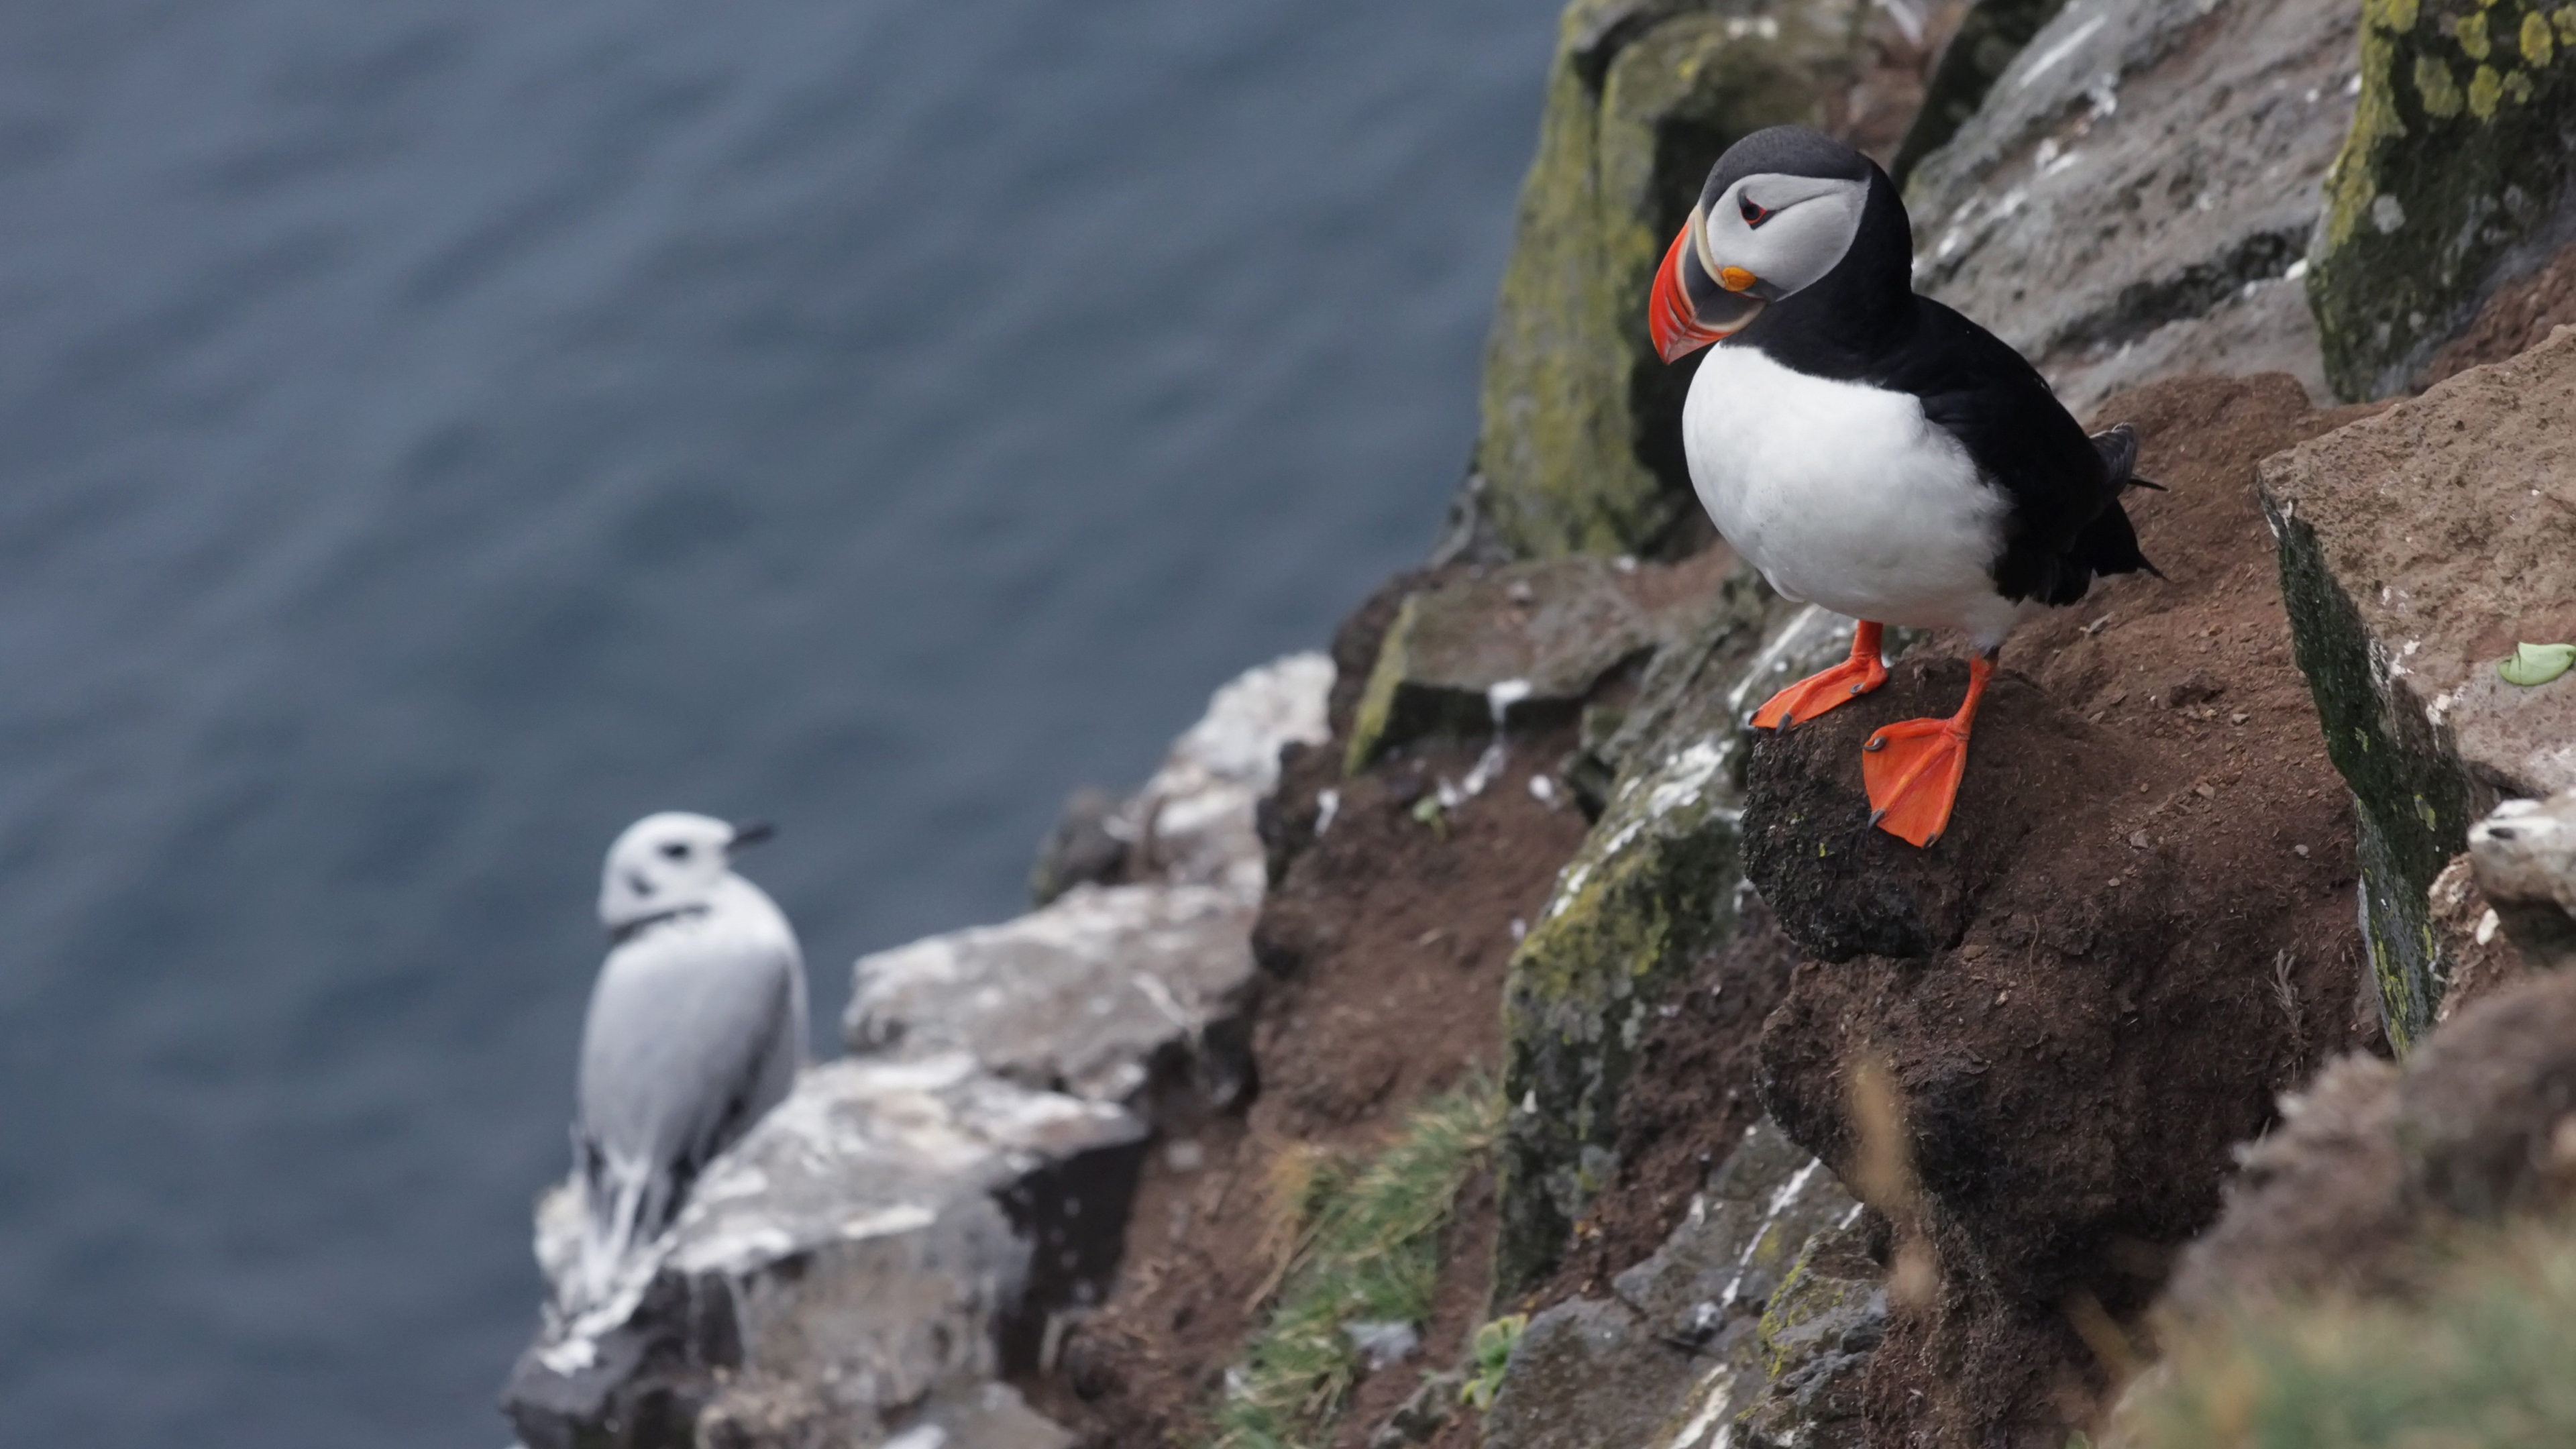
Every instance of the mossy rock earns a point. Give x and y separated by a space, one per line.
1737 1248
1818 1332
1778 1296
1585 1372
1752 1324
2410 795
2457 175
1580 446
1653 888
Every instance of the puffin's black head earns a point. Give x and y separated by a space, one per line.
1781 209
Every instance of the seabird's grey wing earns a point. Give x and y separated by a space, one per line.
786 1052
680 1056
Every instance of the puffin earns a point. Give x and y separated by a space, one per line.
1872 451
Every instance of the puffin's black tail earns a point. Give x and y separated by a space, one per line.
2119 450
2108 545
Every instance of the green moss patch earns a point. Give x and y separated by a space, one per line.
1652 890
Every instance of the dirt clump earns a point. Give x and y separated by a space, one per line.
1383 943
2137 930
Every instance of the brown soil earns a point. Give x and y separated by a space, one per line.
2320 1204
2516 317
2138 930
1384 943
2106 1013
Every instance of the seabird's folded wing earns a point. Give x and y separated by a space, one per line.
682 1055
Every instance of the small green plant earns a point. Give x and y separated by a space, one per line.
1360 1245
1430 812
2532 665
1486 1359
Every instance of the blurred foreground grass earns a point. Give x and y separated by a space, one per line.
2486 1359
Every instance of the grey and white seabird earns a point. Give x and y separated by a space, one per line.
696 1029
1871 450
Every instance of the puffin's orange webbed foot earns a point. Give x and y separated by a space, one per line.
1840 685
1913 767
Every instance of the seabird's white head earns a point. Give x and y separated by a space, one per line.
668 865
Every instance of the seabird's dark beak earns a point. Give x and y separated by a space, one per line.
1695 305
748 834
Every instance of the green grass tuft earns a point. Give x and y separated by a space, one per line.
1367 1250
2487 1360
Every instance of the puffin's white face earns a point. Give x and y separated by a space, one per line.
668 862
1787 231
1765 237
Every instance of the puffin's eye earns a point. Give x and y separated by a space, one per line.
676 851
1754 214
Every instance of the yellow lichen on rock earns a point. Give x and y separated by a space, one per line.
2349 184
2535 41
2471 32
2433 84
2485 89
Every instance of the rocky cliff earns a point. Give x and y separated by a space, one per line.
1481 1038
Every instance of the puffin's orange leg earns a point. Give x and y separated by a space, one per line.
1842 684
1913 767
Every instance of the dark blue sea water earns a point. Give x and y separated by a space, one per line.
432 435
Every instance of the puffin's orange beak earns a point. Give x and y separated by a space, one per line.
1691 309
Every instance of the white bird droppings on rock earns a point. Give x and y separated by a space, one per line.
1382 1345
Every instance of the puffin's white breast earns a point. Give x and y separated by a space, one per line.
1845 495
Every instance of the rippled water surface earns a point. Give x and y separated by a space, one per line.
433 435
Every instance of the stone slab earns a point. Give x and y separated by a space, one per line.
1510 645
2418 546
891 1236
2136 194
1095 994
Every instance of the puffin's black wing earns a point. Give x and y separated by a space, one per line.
2066 524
